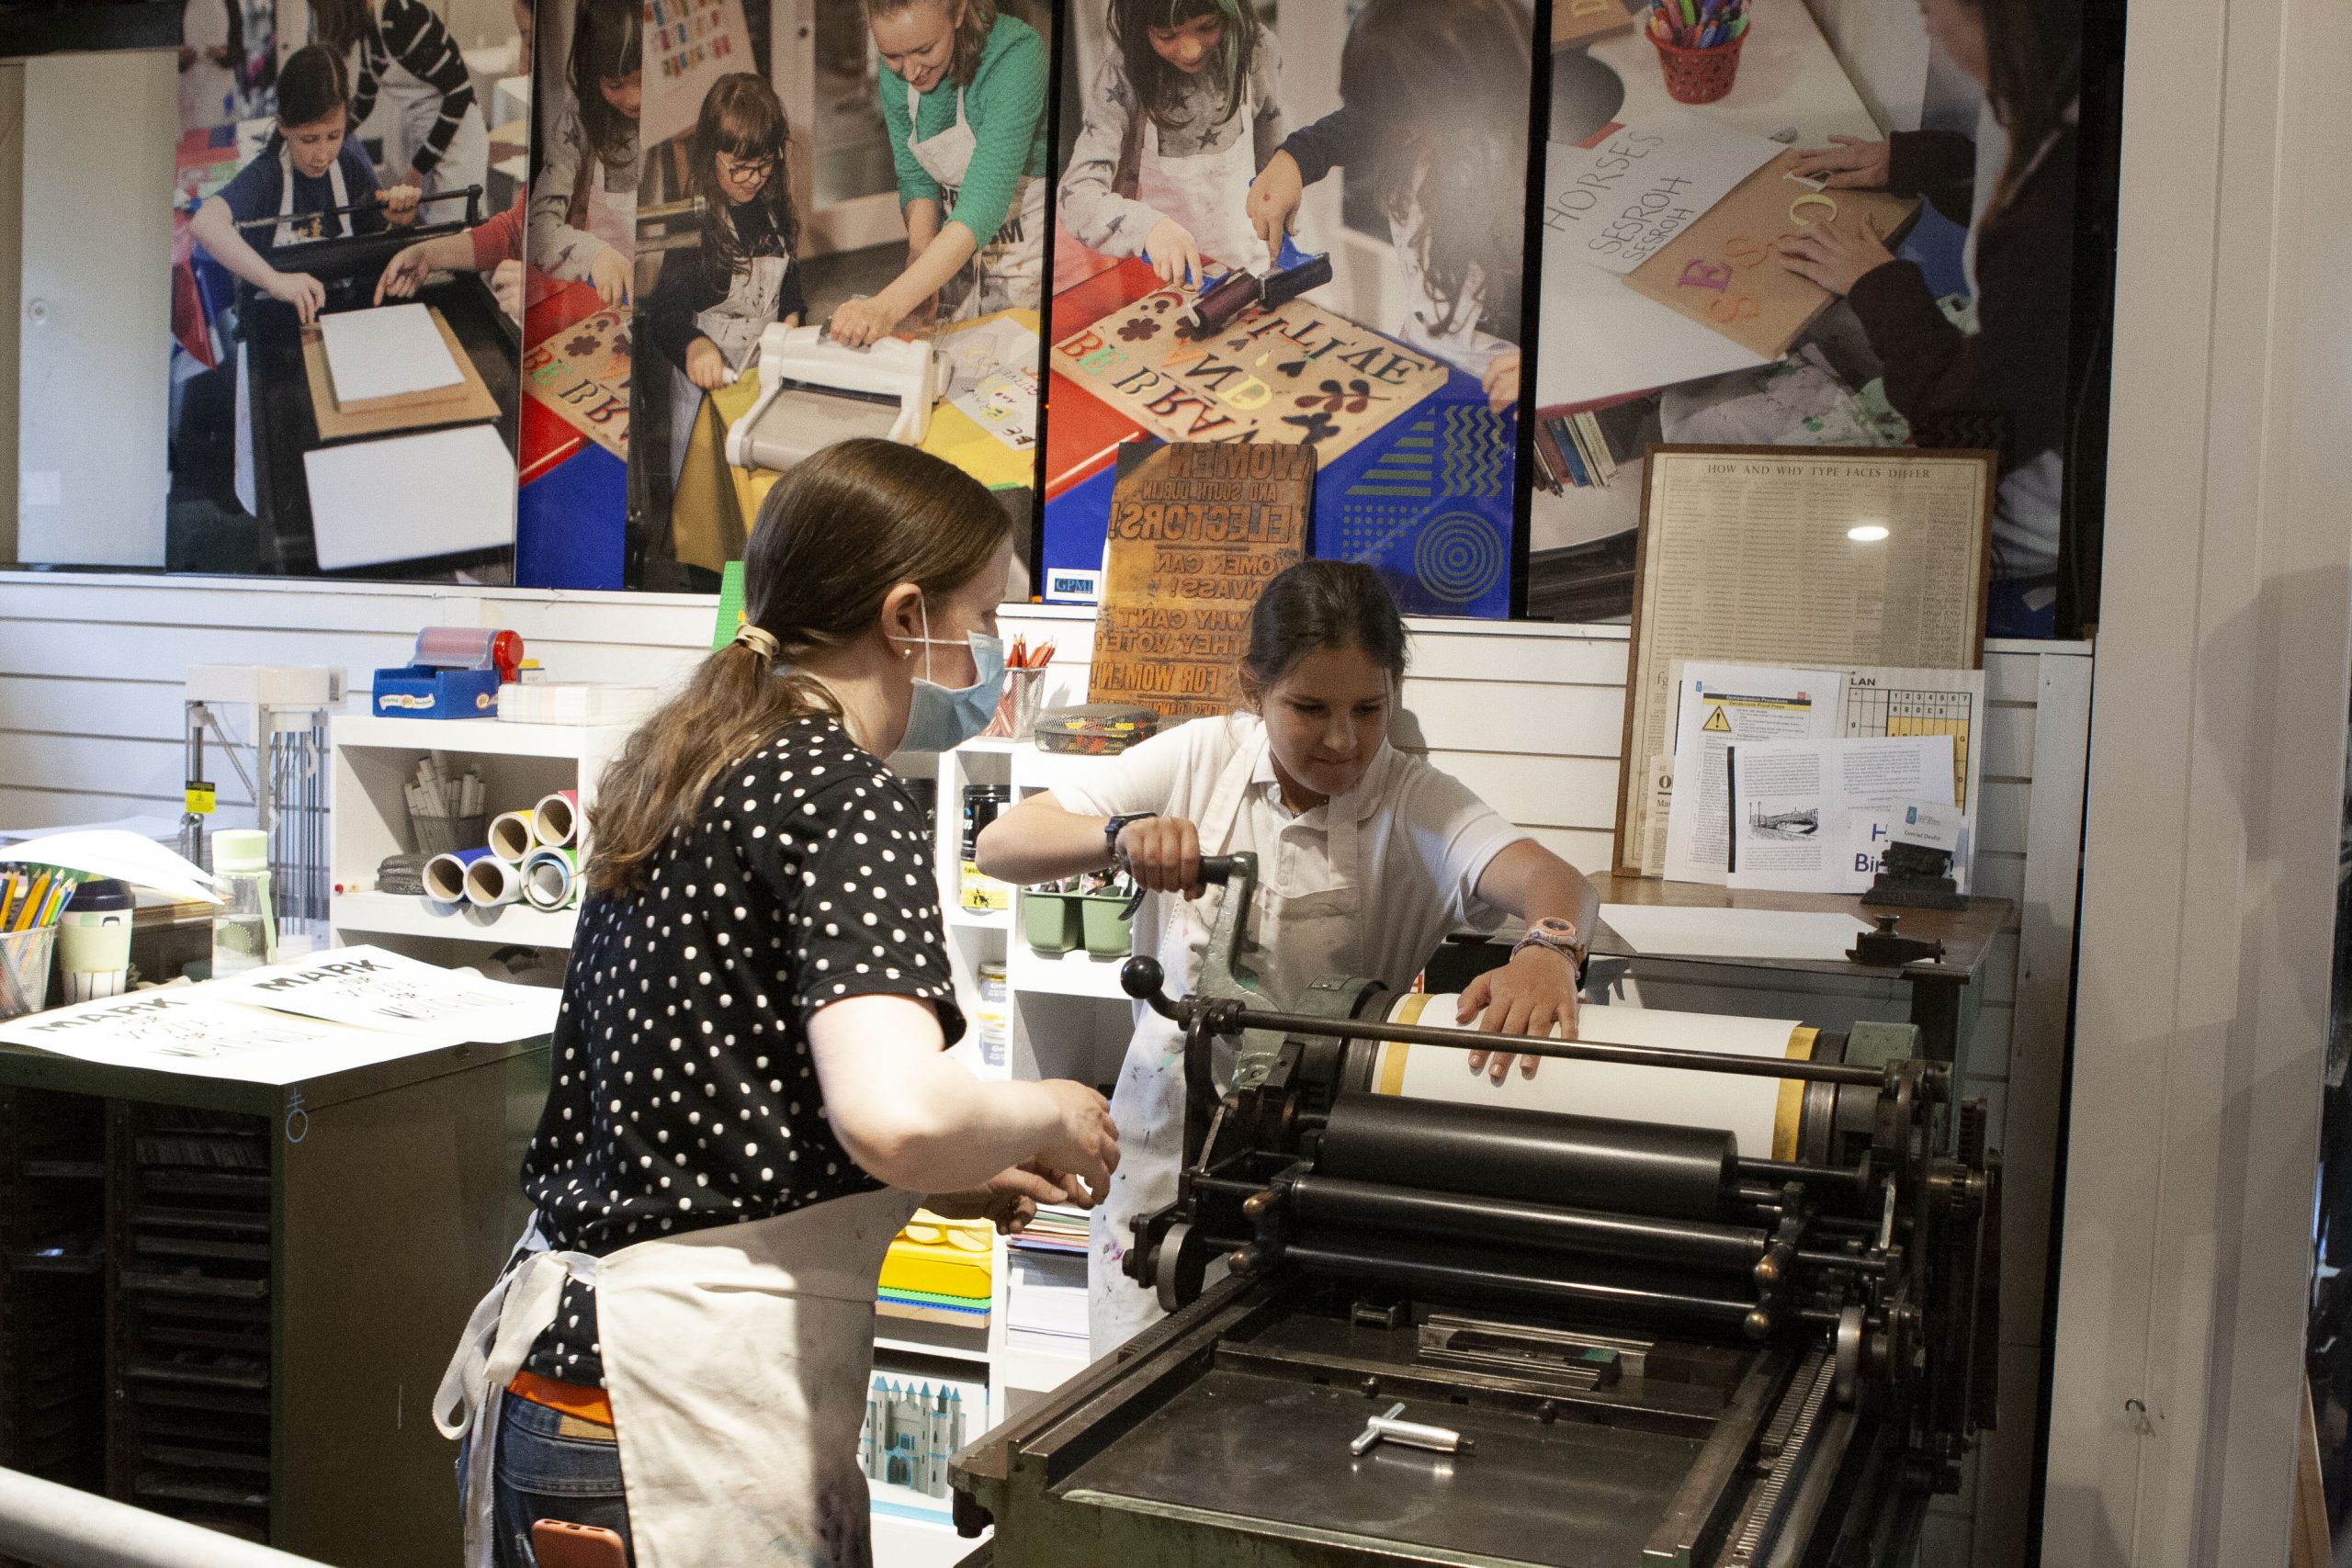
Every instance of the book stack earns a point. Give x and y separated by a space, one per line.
1570 449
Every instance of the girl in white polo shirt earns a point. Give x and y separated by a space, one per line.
1367 858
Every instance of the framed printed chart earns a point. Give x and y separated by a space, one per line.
1796 557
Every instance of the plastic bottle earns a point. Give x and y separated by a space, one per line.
244 931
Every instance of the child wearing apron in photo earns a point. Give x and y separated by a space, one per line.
1433 108
962 94
437 137
1182 116
583 203
706 315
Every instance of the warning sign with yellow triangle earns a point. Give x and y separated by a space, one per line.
1716 722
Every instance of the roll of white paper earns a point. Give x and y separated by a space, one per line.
491 881
550 878
513 836
1754 1110
557 820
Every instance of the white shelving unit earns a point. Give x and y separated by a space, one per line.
375 758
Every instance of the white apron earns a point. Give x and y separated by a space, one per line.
1301 938
1453 338
415 107
734 325
607 213
1009 269
285 233
736 1359
1206 192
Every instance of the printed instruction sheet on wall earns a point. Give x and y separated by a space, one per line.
1815 816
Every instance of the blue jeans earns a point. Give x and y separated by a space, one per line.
543 1475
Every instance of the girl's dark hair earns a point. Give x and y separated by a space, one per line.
1320 604
1157 83
742 117
833 537
2034 49
971 33
607 43
1447 84
312 84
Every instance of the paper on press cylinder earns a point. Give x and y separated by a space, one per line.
1749 1108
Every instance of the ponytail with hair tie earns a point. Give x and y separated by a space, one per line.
760 640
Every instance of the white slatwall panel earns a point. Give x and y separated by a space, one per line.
1529 716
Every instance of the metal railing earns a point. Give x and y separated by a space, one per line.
58 1527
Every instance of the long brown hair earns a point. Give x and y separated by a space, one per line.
2033 52
742 117
607 44
971 33
833 537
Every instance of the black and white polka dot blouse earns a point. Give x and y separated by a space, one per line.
684 1093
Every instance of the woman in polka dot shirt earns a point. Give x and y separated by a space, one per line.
749 1084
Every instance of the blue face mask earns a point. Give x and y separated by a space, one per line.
941 718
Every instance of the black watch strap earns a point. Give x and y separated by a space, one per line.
1113 827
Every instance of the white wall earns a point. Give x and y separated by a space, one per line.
93 369
1528 713
12 213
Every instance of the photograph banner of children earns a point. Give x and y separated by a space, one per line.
1303 224
1747 241
578 284
840 234
332 188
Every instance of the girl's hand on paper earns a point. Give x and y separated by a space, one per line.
1501 382
300 289
1175 254
1527 996
1836 254
610 272
706 366
1847 164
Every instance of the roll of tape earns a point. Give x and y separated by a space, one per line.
556 821
491 881
513 836
552 878
445 874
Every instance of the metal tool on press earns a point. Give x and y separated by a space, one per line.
287 780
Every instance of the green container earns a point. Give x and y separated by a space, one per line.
1050 922
1109 930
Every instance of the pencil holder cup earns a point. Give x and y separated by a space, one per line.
1017 709
24 971
1698 75
448 835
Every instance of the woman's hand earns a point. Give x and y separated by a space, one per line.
1163 853
1082 1148
1836 254
405 275
1847 164
610 272
1008 1200
300 289
1272 203
1175 254
706 366
399 204
862 321
1501 382
1527 996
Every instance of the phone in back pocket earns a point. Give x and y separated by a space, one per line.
560 1545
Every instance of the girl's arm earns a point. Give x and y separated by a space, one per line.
1090 207
1537 990
215 228
1040 840
407 270
563 253
871 317
1266 81
909 1114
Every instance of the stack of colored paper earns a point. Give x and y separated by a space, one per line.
939 1270
1057 1228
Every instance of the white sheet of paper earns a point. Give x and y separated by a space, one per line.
1721 704
385 352
1794 935
1747 1107
117 852
1884 700
1614 205
370 988
407 497
975 353
1812 816
196 1030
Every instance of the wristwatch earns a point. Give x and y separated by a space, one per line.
1558 935
1111 829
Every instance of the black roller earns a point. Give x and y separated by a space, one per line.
1589 1162
1326 1204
